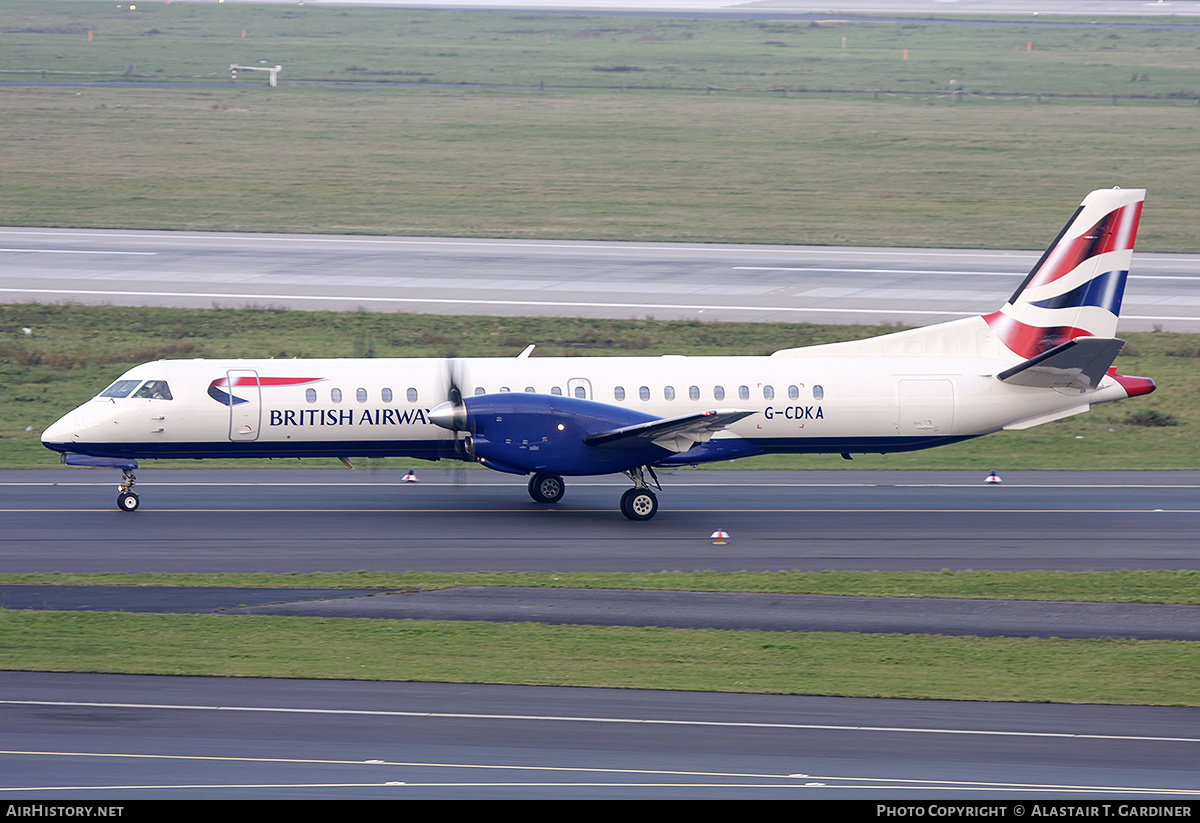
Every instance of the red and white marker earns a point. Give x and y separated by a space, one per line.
410 476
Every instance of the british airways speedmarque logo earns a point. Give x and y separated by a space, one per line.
227 398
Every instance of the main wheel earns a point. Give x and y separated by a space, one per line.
639 504
127 501
546 488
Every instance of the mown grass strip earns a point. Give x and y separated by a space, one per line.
851 665
1128 586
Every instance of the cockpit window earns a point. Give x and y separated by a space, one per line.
155 390
121 388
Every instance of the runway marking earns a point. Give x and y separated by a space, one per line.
518 244
566 510
793 780
560 304
553 304
723 724
882 271
76 251
682 484
940 271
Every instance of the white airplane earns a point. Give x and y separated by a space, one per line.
1045 355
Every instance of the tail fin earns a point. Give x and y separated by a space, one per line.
1076 287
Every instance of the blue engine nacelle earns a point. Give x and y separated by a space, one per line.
524 432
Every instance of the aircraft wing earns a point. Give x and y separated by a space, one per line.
677 434
1078 364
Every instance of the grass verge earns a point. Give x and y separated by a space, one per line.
1126 586
851 665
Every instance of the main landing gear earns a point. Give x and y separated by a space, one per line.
638 503
546 488
127 500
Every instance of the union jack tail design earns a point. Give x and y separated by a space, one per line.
1075 289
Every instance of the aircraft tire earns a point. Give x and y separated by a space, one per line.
639 504
546 488
127 501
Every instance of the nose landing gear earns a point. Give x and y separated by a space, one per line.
127 500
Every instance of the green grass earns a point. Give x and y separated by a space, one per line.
1180 586
481 148
76 351
858 665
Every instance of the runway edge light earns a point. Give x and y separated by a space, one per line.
410 476
718 537
993 478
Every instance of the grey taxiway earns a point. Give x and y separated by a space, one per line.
552 278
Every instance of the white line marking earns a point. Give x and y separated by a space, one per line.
476 302
75 251
588 719
939 271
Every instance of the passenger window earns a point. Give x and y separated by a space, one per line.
531 389
478 390
693 392
793 392
335 395
411 395
669 392
581 392
505 388
818 392
361 395
310 395
121 388
155 390
619 393
556 390
718 392
744 392
768 392
386 394
644 392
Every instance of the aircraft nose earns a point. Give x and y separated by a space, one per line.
61 432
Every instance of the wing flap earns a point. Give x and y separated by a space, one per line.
675 434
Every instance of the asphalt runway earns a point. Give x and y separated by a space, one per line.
730 611
469 520
814 284
786 8
116 737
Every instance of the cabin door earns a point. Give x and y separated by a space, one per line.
245 404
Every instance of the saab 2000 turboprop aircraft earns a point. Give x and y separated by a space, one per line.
1046 354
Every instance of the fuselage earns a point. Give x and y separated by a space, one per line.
381 407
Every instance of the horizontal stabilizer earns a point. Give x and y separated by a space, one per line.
676 434
1077 364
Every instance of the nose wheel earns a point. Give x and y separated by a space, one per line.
127 500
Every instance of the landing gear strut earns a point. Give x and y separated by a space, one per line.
127 500
546 488
639 503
